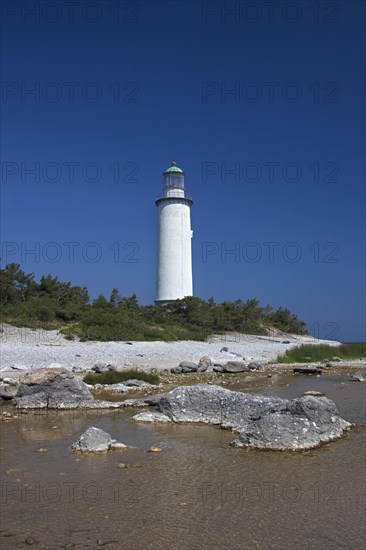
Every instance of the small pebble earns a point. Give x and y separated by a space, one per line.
154 450
31 541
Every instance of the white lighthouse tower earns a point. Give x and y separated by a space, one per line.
174 239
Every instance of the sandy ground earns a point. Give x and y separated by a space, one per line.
23 348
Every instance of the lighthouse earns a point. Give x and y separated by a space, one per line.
174 274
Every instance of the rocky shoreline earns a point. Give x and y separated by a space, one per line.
185 373
261 422
189 391
23 349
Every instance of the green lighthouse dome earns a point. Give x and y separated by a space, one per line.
173 168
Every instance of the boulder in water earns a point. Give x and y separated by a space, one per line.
95 440
262 422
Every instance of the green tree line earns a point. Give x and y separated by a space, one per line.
51 303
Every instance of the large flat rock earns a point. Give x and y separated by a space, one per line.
56 388
235 366
262 422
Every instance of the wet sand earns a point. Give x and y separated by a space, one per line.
198 493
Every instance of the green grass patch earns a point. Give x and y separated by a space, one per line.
114 377
72 330
310 353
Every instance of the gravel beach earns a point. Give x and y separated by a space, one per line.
23 348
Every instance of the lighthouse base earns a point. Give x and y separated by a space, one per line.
162 302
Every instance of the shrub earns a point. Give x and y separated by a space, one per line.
52 303
311 353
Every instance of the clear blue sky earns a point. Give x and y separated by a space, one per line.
275 93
